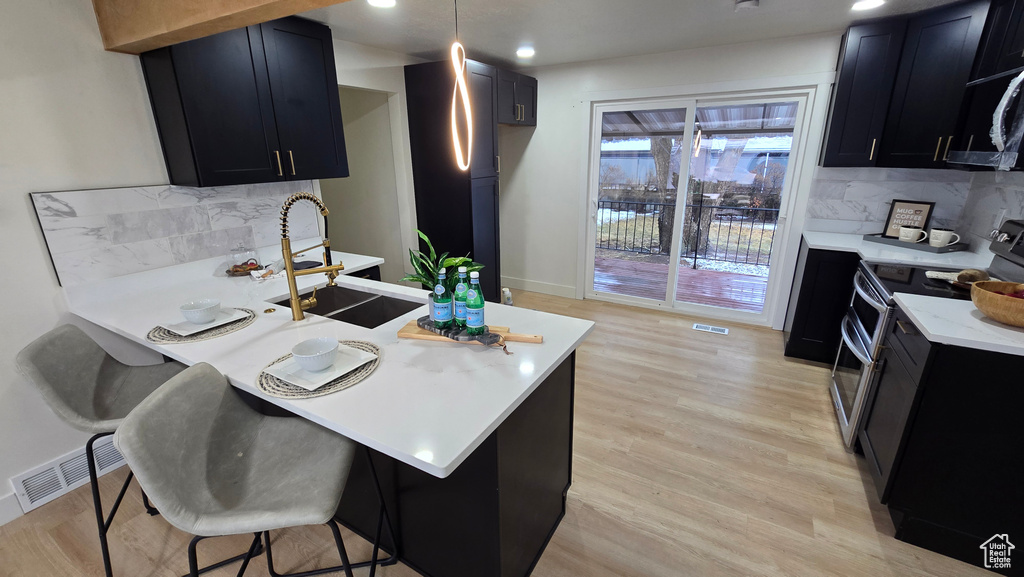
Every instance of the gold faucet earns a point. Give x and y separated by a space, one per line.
331 270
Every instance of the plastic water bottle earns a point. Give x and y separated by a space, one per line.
442 298
460 299
475 306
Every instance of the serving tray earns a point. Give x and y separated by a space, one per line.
922 246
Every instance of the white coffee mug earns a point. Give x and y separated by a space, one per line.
940 237
912 234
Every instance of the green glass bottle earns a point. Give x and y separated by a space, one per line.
442 303
460 299
475 306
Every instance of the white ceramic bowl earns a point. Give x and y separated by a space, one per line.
200 311
315 354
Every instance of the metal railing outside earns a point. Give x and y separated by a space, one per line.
736 234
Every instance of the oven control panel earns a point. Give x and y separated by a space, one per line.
1008 241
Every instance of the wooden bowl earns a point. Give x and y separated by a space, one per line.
1002 308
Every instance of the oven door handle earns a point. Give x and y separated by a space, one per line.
867 293
861 355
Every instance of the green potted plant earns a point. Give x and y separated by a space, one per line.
427 265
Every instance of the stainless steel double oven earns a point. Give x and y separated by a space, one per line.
863 331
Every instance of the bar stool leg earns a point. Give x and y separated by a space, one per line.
97 504
193 563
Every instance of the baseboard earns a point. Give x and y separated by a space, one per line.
9 508
539 287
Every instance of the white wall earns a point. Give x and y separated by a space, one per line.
372 69
364 206
543 169
71 117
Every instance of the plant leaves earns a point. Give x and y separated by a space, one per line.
433 255
415 263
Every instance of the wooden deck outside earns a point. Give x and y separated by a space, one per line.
706 287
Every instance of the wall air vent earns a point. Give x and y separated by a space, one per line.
47 482
710 329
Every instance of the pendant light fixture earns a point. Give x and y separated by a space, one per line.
461 91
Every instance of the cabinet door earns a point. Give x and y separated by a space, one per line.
886 419
508 109
937 59
526 97
226 134
483 89
821 294
868 63
303 81
485 235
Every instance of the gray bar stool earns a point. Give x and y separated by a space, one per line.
92 392
215 466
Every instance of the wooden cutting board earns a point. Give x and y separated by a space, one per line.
411 331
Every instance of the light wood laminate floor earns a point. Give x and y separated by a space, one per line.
695 455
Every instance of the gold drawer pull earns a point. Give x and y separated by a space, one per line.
874 141
904 327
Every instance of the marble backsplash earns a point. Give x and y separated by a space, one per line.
991 194
857 200
98 234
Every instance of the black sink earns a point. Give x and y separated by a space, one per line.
360 308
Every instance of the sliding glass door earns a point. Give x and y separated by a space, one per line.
686 197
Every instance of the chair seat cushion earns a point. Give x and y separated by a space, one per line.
214 466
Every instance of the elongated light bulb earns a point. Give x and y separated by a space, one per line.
461 90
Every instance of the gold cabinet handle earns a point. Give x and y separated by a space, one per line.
907 331
519 111
499 163
280 169
970 141
291 157
945 155
938 147
874 141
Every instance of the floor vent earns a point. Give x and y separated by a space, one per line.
710 329
47 482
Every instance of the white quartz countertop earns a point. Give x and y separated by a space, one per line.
884 253
960 323
428 404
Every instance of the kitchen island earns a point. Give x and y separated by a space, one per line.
473 446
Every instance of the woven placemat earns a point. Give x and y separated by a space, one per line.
162 336
275 387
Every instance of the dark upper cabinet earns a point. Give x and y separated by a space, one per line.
938 56
256 104
1002 44
517 98
483 95
304 85
868 61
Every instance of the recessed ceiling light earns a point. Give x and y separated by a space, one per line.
525 52
867 4
741 4
381 3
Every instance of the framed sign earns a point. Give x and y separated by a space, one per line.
907 213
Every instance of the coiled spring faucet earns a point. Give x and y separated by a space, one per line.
331 270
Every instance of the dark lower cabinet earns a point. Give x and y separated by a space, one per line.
256 104
868 61
494 515
372 273
822 287
484 201
936 63
944 441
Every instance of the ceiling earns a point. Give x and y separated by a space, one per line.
566 31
